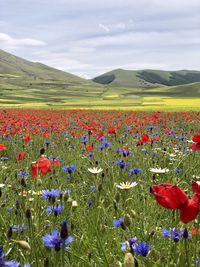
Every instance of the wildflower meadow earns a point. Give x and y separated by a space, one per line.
99 188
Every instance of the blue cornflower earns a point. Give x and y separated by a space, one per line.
122 163
93 187
155 134
84 139
129 244
119 222
22 173
53 240
106 144
69 169
47 142
135 136
155 154
178 170
151 127
4 158
7 263
19 228
101 147
48 194
142 248
90 155
175 234
135 171
55 209
166 232
126 153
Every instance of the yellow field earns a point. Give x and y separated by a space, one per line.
145 103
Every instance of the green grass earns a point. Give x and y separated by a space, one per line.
96 241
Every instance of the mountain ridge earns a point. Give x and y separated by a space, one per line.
147 78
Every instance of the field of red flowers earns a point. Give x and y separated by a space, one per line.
99 188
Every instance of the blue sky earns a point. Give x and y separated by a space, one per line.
90 37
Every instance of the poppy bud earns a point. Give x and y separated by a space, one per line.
46 262
42 151
127 220
23 182
129 260
185 233
64 230
9 233
28 214
23 244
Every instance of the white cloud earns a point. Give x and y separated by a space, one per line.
9 41
104 27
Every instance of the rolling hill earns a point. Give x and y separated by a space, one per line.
22 81
27 84
147 78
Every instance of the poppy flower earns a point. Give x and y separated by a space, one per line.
190 211
169 196
21 155
196 140
27 138
43 166
2 147
112 131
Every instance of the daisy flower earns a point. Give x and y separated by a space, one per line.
95 170
126 185
159 170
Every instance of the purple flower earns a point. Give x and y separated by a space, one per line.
54 240
175 234
22 173
55 209
48 194
69 169
142 248
3 263
119 222
135 171
122 163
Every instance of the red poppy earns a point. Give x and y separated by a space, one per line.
43 166
2 147
196 187
89 148
196 139
169 196
112 131
190 211
21 155
27 138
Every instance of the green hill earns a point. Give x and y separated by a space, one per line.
22 81
147 78
21 68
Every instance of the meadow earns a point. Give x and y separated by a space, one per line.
99 188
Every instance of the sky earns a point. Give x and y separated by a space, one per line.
91 37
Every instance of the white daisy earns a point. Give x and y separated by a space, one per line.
95 170
2 185
159 170
126 185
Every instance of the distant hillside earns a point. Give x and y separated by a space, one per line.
147 78
22 81
12 65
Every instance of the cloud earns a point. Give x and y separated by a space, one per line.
90 37
9 41
104 27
